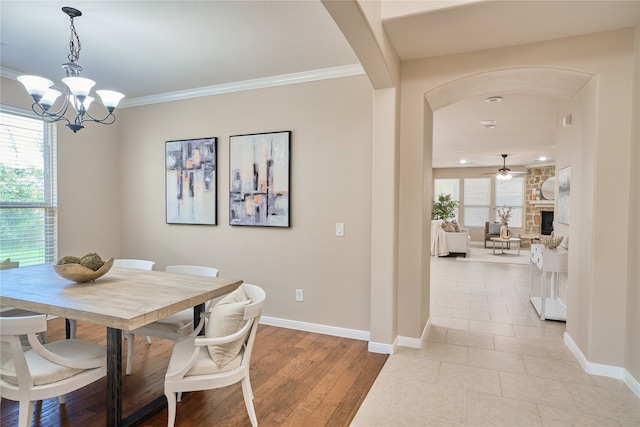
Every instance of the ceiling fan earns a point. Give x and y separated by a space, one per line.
504 173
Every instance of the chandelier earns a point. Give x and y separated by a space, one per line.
78 89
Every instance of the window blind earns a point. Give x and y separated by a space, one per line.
477 200
511 193
28 188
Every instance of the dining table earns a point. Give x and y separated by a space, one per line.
121 300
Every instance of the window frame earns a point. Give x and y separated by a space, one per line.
49 201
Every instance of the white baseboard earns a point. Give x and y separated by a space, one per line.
414 342
382 348
317 328
600 369
355 334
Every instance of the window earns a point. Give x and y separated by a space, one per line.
28 192
447 186
511 193
477 201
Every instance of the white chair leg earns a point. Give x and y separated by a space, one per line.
148 340
248 400
171 408
61 399
130 340
179 396
25 413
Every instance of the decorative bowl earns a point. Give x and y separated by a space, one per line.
80 274
552 242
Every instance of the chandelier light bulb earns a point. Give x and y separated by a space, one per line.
49 98
79 86
110 98
35 86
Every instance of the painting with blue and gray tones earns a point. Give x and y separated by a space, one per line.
259 181
191 181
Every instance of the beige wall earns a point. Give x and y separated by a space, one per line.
331 157
609 56
632 338
111 194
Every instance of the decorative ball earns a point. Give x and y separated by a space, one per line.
552 242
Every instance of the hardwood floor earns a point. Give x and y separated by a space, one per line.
298 378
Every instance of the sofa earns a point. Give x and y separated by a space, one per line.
458 242
448 243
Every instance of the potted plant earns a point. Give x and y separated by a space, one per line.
504 213
444 208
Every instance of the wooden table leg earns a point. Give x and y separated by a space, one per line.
114 377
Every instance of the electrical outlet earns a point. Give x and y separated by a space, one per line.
299 295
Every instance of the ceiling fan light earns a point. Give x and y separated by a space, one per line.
35 86
110 98
79 86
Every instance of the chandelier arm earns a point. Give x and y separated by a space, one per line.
61 111
102 121
51 117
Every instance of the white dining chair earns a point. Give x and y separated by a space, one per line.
44 370
138 264
171 327
222 356
14 312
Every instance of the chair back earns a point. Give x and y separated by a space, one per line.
138 264
195 270
252 312
11 328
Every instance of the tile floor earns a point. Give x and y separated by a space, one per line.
488 360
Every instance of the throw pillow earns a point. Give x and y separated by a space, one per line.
227 317
448 227
456 226
494 227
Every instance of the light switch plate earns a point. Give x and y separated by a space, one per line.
339 229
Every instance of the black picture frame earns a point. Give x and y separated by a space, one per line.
259 179
191 179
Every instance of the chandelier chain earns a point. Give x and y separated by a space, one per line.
74 44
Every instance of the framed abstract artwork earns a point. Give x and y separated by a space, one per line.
259 167
191 181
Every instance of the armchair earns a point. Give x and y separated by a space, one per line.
220 358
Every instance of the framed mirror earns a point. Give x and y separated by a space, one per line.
548 188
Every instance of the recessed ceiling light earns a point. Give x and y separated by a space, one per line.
487 122
494 99
542 159
463 161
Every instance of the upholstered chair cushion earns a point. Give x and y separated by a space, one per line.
226 318
45 372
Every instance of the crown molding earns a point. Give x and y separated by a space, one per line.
267 82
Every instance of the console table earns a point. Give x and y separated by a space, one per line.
548 262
